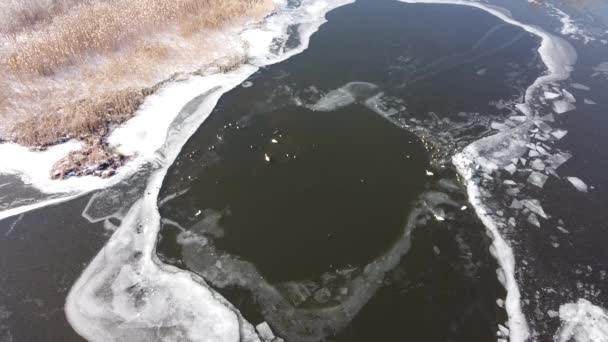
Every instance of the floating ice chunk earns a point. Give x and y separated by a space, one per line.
265 332
535 207
463 208
436 250
274 141
333 100
509 182
503 330
578 184
499 126
533 220
559 133
582 322
518 118
481 72
439 218
580 86
543 126
537 179
590 102
511 168
247 84
541 150
348 94
551 95
524 108
267 157
563 230
537 165
558 159
561 106
428 173
516 204
568 96
549 118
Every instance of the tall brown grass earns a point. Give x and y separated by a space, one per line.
17 15
75 68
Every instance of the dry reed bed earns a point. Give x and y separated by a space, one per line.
75 69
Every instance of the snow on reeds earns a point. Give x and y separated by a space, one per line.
73 68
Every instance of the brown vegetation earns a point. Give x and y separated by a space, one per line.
102 26
82 119
96 158
76 68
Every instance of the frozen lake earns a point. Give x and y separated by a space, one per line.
408 171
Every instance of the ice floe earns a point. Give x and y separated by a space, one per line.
551 95
582 322
534 206
578 184
580 86
353 92
562 106
589 102
568 96
537 179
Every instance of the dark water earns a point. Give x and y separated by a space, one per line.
345 191
43 253
337 181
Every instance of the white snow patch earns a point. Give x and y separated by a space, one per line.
34 168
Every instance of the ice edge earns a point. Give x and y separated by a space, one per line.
559 57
